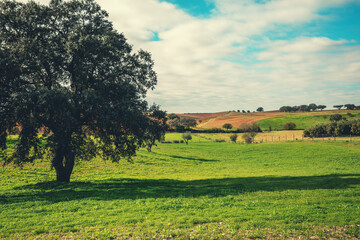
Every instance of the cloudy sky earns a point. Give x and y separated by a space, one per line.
218 55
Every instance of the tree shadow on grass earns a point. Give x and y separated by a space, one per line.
167 188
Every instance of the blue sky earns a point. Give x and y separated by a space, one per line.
218 55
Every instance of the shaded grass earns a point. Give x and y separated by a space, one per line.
200 190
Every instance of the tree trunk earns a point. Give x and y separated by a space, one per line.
63 162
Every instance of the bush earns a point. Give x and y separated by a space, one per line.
335 117
289 126
176 141
249 127
186 136
220 140
233 137
343 128
249 137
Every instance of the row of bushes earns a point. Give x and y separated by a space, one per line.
341 128
174 141
243 128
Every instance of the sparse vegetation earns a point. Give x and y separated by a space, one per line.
233 137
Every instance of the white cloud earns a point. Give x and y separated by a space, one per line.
205 65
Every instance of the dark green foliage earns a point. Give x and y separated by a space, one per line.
65 70
302 108
335 117
289 126
173 116
227 126
260 109
340 128
338 106
350 106
156 127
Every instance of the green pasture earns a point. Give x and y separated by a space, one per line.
302 122
204 190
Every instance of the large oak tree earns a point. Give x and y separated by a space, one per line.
66 71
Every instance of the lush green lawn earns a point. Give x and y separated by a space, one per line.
201 190
302 122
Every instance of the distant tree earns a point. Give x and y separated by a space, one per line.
338 106
187 137
260 109
335 117
289 126
350 106
249 127
243 111
227 126
248 111
233 137
238 111
188 122
65 69
172 116
312 107
321 107
304 108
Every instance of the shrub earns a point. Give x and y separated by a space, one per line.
176 141
220 140
186 136
289 126
249 127
335 117
249 137
233 137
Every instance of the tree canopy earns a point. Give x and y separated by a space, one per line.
66 71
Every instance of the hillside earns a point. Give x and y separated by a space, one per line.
273 119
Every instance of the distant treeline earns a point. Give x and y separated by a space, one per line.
314 107
340 128
245 127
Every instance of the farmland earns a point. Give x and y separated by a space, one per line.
274 119
205 190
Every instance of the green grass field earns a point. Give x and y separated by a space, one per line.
302 122
204 190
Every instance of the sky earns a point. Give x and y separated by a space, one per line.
220 55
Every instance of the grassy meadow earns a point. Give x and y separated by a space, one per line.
204 190
303 121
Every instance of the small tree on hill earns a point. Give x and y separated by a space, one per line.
227 126
260 109
186 136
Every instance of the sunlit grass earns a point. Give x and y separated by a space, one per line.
201 190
